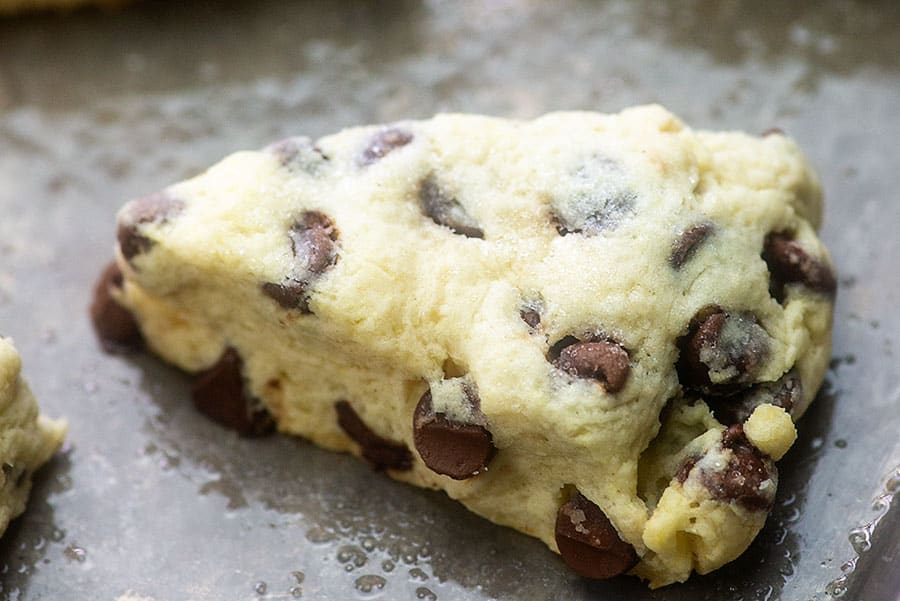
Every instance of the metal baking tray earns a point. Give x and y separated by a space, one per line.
153 500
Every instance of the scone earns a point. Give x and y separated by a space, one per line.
27 438
596 329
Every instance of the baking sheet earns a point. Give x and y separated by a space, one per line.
151 499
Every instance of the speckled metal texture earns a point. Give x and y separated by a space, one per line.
151 499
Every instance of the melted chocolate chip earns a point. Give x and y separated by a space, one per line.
789 263
452 448
382 143
722 351
686 244
220 394
314 244
785 392
156 208
381 453
589 543
115 325
741 481
602 360
445 210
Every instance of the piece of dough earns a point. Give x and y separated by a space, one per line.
508 311
27 438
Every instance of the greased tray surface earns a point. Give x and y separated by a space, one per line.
153 500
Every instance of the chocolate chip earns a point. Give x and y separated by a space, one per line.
721 351
607 215
530 312
290 295
314 244
115 325
445 210
601 360
685 468
589 543
220 393
772 131
299 153
594 198
785 392
789 263
452 448
687 243
530 316
156 208
382 143
741 480
381 453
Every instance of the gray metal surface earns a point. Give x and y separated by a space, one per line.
151 498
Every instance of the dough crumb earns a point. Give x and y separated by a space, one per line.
771 430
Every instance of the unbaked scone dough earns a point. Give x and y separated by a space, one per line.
562 323
27 438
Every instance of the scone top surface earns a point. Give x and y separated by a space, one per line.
554 283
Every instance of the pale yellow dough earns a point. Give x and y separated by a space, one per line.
408 297
27 438
771 430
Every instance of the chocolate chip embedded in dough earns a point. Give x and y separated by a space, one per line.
601 360
381 453
686 244
530 312
593 198
589 543
685 468
789 263
299 153
786 392
530 316
607 215
314 245
382 143
722 351
750 477
452 448
115 325
314 239
156 208
290 295
445 210
220 393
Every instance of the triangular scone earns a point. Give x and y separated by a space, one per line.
507 311
27 438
